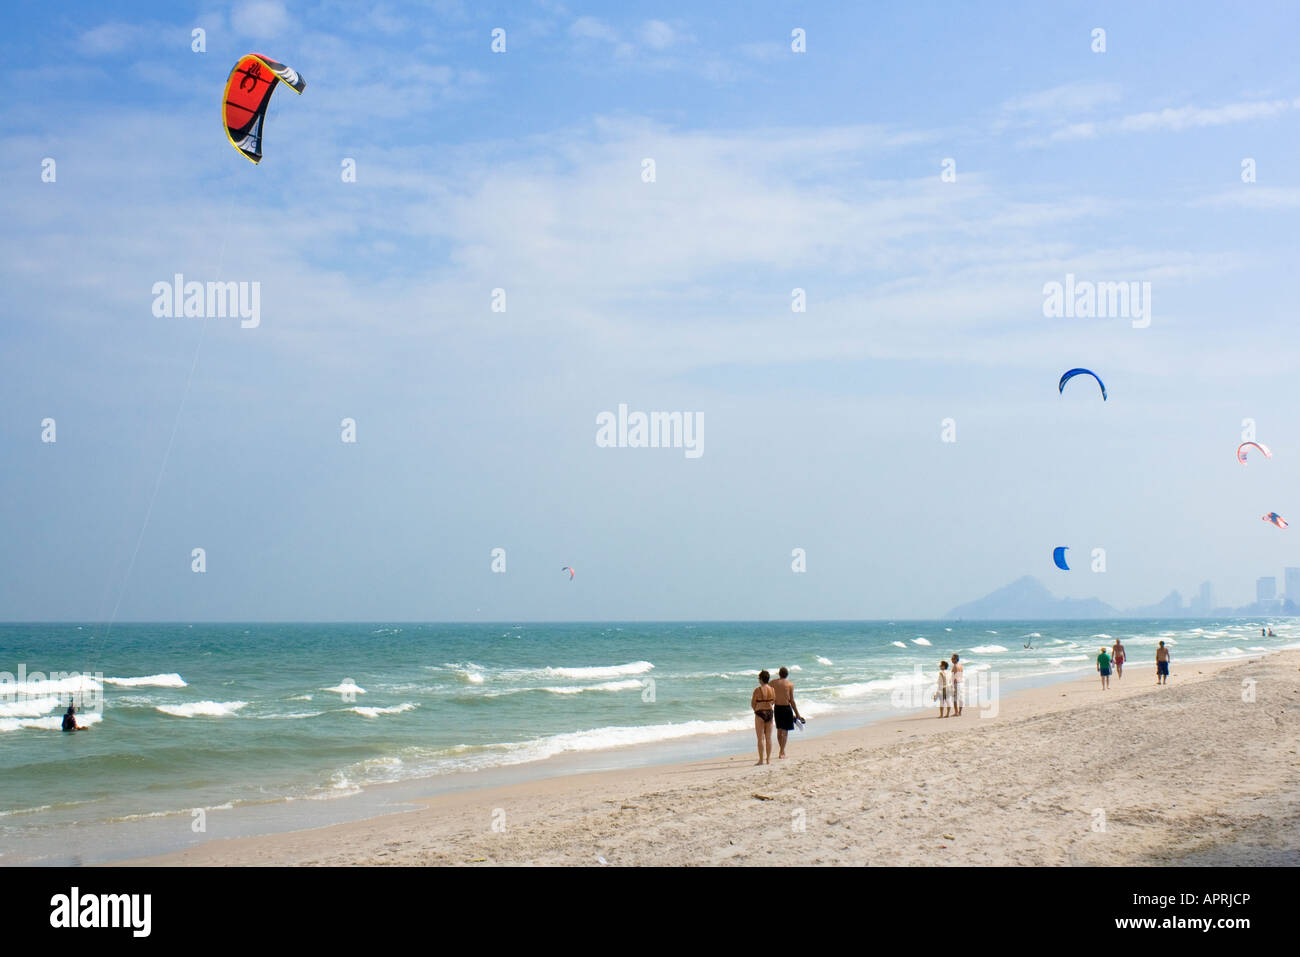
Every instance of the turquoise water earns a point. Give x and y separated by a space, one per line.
224 716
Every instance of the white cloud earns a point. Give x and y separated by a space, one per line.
260 18
1189 117
109 38
765 52
1171 120
589 28
1252 196
1063 100
657 34
1075 131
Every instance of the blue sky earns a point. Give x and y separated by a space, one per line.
523 171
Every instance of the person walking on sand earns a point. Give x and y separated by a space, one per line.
957 669
785 711
1117 656
943 690
1103 669
1162 664
761 702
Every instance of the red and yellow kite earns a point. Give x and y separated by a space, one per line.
248 93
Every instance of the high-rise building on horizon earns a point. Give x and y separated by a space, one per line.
1205 600
1265 588
1292 582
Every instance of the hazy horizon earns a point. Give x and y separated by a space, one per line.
774 171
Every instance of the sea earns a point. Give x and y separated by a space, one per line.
197 731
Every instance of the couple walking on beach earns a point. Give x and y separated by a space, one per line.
773 703
948 693
1114 658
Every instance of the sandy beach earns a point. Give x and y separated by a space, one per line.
1190 773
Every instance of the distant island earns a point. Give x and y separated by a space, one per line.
1028 598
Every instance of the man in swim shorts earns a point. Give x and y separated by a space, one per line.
1162 664
1117 656
1103 669
956 672
786 711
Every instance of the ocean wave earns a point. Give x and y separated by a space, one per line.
376 712
73 684
921 641
28 707
598 739
171 680
601 671
986 649
346 687
899 644
203 709
135 701
625 685
823 661
859 689
300 714
52 723
466 672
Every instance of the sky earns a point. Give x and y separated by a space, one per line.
920 171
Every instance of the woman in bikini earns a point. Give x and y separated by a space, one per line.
762 701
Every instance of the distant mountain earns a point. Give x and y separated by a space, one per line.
1027 598
1170 607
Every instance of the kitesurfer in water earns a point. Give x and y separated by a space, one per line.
69 719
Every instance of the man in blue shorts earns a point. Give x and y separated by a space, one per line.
1162 664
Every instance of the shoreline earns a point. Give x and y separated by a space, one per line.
670 813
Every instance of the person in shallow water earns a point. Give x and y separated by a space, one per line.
762 702
69 719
